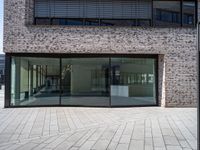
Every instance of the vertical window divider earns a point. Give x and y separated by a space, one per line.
152 13
40 76
99 20
8 80
36 77
28 78
60 76
34 18
49 15
181 10
196 13
110 80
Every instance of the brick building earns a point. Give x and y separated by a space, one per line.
101 53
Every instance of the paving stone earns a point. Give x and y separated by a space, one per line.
171 140
136 145
122 147
147 128
87 145
174 148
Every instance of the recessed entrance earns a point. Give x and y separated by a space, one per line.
84 81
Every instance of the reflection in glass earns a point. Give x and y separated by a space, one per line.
118 22
34 81
133 81
93 81
188 13
42 21
167 13
92 22
85 81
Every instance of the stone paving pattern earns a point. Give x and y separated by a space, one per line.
63 128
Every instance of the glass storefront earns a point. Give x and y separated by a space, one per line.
35 81
86 81
133 81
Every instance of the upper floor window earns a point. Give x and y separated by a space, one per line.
167 13
189 11
115 12
93 12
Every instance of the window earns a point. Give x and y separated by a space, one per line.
111 22
167 13
167 16
188 13
130 84
42 21
83 81
35 81
116 12
93 12
92 22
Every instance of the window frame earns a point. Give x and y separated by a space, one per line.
151 20
58 56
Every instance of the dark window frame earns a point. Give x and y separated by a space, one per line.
97 19
181 24
83 55
151 20
171 13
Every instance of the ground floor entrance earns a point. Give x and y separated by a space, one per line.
83 80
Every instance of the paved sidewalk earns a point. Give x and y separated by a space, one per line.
62 128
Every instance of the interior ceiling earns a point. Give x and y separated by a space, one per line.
55 61
53 64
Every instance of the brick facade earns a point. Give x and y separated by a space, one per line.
176 47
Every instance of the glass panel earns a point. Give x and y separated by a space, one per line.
59 21
74 21
133 81
167 13
85 81
111 22
35 81
42 21
144 23
188 13
93 22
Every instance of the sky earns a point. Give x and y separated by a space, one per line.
1 26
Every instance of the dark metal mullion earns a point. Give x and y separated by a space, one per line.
28 78
60 76
50 18
34 19
40 75
152 14
36 78
7 79
181 12
196 13
110 80
99 19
